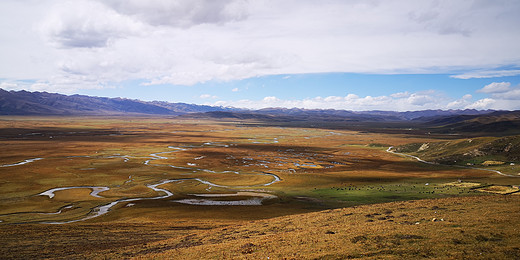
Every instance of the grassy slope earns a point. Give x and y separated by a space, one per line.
472 227
473 151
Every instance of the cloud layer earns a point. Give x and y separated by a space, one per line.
508 99
68 45
503 92
191 41
495 87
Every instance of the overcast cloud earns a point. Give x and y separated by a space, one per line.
78 44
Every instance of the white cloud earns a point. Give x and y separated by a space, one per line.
461 103
487 74
513 94
192 41
182 13
235 90
394 102
333 99
502 91
501 96
400 94
420 99
9 86
492 103
60 85
86 24
482 104
413 101
495 87
271 100
207 96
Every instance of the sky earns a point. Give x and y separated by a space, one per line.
399 55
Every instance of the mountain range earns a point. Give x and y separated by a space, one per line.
43 103
434 121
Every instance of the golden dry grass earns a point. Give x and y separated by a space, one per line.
499 189
491 163
463 184
470 227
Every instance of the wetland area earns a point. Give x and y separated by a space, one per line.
175 186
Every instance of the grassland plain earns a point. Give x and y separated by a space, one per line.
181 182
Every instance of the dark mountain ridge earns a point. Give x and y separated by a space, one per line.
422 115
444 122
43 103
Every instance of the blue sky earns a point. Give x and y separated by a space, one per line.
305 86
355 55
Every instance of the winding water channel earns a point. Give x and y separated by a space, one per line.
243 198
95 191
22 162
256 198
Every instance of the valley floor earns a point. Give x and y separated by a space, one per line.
129 187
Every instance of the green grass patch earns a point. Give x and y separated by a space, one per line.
380 193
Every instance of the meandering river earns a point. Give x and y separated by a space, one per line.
210 199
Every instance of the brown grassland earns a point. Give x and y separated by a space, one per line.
188 189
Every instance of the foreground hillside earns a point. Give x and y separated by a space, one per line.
479 227
446 228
